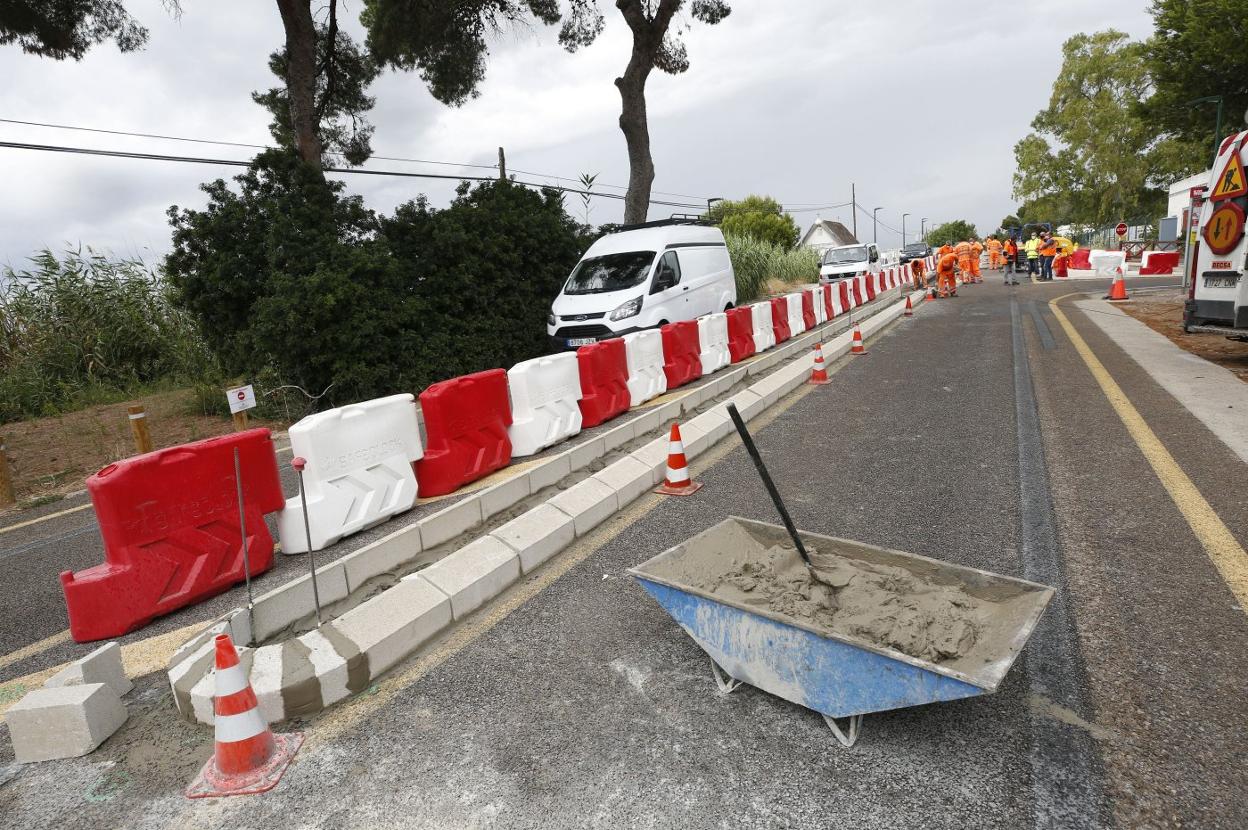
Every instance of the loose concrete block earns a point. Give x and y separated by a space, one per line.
393 624
505 494
588 502
266 682
619 435
473 574
293 601
100 666
654 457
628 477
387 554
451 521
63 722
537 535
583 455
551 470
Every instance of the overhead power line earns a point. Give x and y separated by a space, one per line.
359 171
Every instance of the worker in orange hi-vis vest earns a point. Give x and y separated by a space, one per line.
977 251
963 251
994 253
946 283
918 273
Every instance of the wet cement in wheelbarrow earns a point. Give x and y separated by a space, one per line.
882 604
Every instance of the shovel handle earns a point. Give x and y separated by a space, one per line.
767 482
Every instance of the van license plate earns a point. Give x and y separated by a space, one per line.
1221 280
573 342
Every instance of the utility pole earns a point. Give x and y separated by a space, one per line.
923 230
903 229
502 166
853 211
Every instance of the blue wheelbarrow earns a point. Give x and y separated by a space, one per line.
837 675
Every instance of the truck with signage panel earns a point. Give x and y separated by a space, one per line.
1217 299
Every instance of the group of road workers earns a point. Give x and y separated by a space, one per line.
960 263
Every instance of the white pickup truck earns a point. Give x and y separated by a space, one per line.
1218 288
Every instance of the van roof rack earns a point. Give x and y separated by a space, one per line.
674 219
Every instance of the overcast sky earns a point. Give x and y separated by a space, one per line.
919 103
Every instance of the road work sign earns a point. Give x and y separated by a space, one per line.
1232 182
1225 228
241 398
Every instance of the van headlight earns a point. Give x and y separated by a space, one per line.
550 319
630 309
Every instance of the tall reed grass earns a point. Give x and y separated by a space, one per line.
756 262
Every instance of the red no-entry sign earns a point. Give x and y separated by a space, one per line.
1121 229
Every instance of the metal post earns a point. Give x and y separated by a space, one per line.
1217 133
873 224
138 429
242 530
903 229
853 211
299 463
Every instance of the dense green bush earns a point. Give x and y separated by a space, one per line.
758 217
83 329
755 262
300 283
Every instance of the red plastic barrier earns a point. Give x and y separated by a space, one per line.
780 319
844 289
1161 262
808 310
604 381
681 348
1060 266
740 333
169 520
870 286
466 420
828 313
856 287
1079 260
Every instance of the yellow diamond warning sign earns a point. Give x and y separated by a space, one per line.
1232 182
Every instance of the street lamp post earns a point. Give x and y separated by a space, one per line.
874 229
923 230
903 229
1217 130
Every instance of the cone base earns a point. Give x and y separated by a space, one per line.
212 783
819 382
856 354
687 490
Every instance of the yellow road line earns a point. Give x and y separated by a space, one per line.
339 720
1214 536
34 648
48 517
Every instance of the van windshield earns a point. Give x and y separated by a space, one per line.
609 272
839 256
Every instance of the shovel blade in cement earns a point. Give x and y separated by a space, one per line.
836 675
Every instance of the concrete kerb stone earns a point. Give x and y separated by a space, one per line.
537 535
588 502
534 537
587 453
274 611
100 666
473 574
505 494
63 721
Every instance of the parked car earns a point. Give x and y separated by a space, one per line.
915 250
643 276
848 261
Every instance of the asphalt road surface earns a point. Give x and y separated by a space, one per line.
976 433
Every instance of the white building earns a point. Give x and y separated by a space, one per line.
1177 205
825 233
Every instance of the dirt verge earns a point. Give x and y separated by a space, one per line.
1163 313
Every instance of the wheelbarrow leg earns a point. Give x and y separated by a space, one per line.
855 726
723 680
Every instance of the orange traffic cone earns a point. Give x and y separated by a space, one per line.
1118 291
248 758
819 374
677 482
857 347
909 307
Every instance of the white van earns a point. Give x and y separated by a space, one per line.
1218 282
643 276
848 261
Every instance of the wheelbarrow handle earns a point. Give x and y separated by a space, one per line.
767 482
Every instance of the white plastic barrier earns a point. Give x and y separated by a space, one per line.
359 470
1108 263
861 279
816 297
797 323
713 342
544 409
837 307
643 351
764 333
